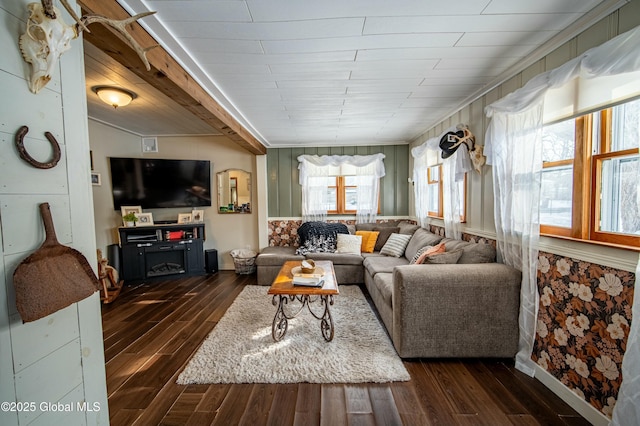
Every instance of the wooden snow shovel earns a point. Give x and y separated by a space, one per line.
53 277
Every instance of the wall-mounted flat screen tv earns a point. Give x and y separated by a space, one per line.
156 183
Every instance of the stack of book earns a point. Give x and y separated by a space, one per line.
309 280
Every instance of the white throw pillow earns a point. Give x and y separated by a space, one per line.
395 245
349 243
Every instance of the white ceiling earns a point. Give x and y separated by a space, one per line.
341 72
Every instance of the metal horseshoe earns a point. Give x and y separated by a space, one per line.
22 132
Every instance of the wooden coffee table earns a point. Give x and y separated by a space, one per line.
284 291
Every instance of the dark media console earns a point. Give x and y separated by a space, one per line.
161 250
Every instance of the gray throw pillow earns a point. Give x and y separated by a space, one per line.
395 245
384 233
446 257
415 258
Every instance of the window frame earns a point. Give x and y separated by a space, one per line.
440 181
341 197
587 177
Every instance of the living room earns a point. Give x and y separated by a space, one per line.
276 195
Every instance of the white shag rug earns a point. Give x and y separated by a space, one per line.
240 348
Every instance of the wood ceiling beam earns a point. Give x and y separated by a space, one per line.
166 74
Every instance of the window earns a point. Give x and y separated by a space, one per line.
340 184
435 201
342 195
589 177
434 179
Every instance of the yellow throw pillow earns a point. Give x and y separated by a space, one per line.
369 239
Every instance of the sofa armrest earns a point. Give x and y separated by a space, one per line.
456 310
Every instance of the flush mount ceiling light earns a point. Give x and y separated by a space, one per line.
114 96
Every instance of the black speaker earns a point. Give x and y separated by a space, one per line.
113 255
211 260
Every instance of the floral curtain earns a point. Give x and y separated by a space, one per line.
317 172
512 146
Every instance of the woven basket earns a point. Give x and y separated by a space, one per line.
243 265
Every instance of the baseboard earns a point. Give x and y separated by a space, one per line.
585 409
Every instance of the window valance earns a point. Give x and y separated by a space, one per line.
598 77
340 165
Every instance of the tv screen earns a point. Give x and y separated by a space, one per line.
155 183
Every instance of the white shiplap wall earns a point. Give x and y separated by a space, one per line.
58 359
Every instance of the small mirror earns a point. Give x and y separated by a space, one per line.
234 191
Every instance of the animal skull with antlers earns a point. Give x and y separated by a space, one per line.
47 37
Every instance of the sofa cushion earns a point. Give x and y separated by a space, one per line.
444 257
408 227
420 238
337 258
350 244
276 256
384 284
377 264
395 245
471 252
369 239
384 233
422 254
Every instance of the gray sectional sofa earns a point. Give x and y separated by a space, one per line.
464 310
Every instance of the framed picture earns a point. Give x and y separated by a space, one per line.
130 209
197 216
184 217
95 179
144 219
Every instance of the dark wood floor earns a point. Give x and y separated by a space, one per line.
151 331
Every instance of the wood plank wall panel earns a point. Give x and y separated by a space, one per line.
58 358
285 193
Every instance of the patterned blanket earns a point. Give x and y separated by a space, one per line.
319 237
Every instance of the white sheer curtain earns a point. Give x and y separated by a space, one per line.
627 409
517 168
423 157
453 171
512 145
314 178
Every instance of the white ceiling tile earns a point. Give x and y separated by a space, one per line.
293 104
444 90
249 84
377 74
505 38
300 68
392 41
235 69
196 46
293 84
439 52
431 102
291 30
277 10
188 10
540 6
479 65
337 72
467 23
291 58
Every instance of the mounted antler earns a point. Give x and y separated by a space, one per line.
47 37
